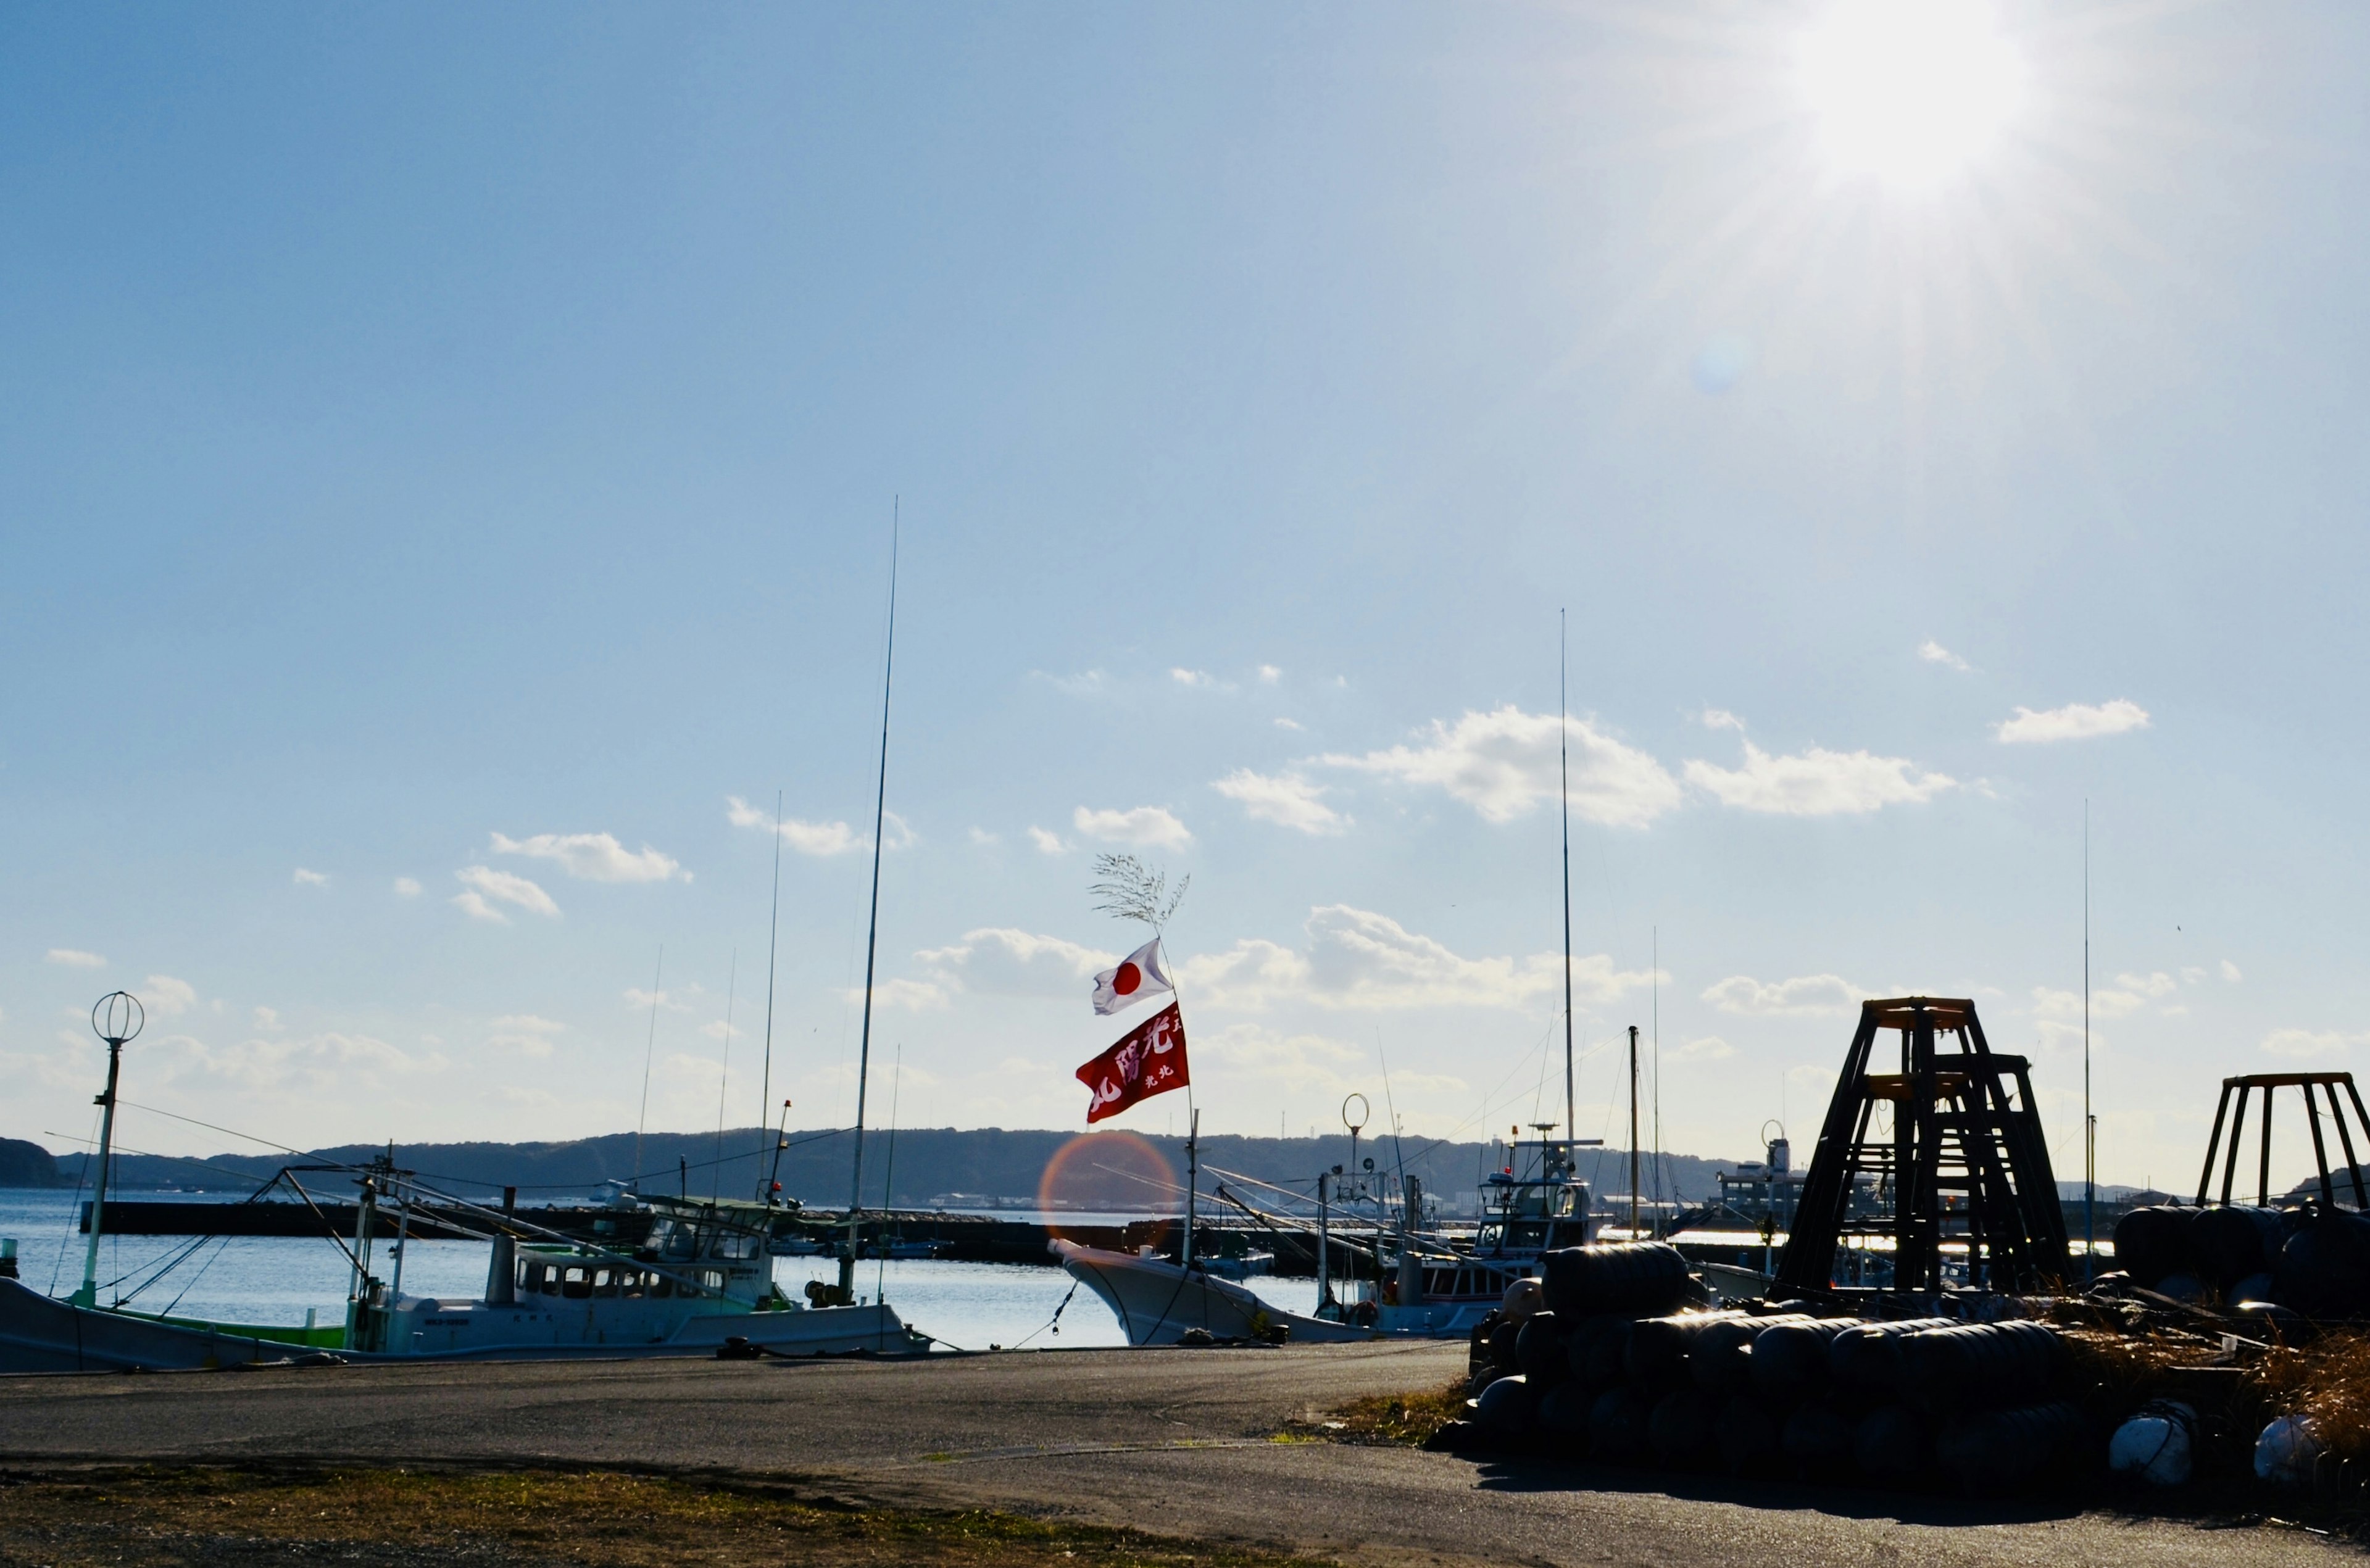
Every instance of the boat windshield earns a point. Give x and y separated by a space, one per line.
674 1239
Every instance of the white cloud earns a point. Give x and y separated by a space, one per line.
2230 972
717 1028
1358 959
2067 1004
167 997
1504 763
74 958
1298 1067
1269 674
1192 677
1047 843
1711 1047
281 1070
594 857
2307 1043
524 1033
1288 724
1086 683
304 878
1817 783
913 996
2156 984
1933 652
1805 996
1286 800
2075 721
1247 976
484 882
638 1000
406 887
985 839
1720 718
1152 826
1003 961
817 838
267 1018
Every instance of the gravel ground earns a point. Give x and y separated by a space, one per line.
1177 1442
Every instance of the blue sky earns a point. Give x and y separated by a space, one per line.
431 440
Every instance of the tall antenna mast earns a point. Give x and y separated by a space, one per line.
1633 1132
873 936
773 930
2089 1122
650 1050
1655 963
1563 741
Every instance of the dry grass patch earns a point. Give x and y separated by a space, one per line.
150 1516
1389 1418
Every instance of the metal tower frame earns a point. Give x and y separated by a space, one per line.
2326 1083
1964 1125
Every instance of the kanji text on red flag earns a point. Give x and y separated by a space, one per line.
1148 1060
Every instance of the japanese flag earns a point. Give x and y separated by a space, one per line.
1138 975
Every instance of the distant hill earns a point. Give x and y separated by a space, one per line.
986 1163
24 1164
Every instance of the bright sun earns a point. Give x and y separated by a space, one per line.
1909 91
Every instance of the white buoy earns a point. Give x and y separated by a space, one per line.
2284 1453
2157 1445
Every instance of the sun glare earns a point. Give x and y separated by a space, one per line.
1909 91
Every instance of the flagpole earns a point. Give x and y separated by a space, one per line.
873 936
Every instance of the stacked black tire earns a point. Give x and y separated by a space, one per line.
2310 1261
1933 1403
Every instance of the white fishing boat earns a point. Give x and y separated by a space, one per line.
1159 1302
699 1284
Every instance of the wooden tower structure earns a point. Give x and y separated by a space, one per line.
1952 1147
2328 1083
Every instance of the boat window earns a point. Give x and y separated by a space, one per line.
576 1283
662 1286
712 1278
680 1241
735 1244
604 1282
529 1275
634 1281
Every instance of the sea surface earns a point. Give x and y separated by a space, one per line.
278 1280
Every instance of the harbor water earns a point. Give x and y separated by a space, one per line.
276 1280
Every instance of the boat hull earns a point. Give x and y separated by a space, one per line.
1159 1302
38 1334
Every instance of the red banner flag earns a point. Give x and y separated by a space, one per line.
1148 1060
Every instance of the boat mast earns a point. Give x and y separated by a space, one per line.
1563 738
650 1054
872 934
1633 1132
2090 1122
773 931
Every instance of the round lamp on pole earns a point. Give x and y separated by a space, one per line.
117 1018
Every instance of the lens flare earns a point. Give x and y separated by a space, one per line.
1909 91
1105 1172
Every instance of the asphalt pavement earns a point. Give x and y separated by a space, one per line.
1176 1441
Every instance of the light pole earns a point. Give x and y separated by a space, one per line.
117 1018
